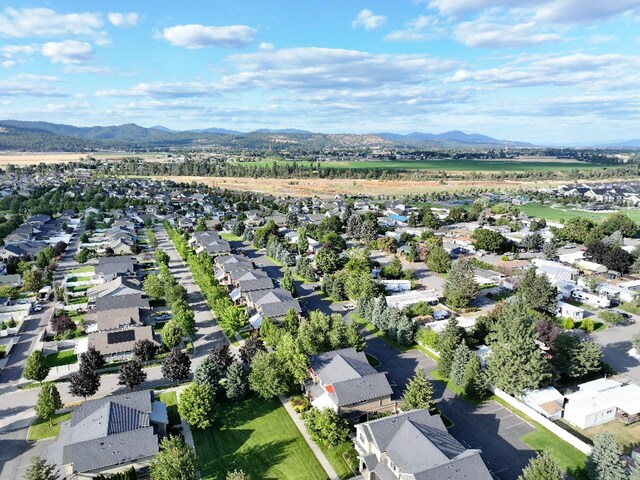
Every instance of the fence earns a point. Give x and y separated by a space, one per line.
56 346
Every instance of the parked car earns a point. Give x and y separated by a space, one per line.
348 307
37 307
440 314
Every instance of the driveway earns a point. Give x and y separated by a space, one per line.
616 342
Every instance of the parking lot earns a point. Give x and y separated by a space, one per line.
616 343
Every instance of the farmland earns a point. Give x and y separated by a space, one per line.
35 158
449 165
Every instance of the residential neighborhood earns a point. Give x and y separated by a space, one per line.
379 338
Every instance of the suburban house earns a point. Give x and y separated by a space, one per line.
115 287
249 281
231 263
415 445
486 277
344 381
210 242
118 344
273 303
111 267
601 401
112 434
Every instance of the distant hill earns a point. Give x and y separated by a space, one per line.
451 139
26 135
623 144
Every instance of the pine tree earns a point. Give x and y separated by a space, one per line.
418 394
461 357
287 283
377 314
36 368
355 338
605 461
48 402
542 467
516 362
475 380
207 373
405 331
131 374
537 292
448 342
39 469
461 287
236 385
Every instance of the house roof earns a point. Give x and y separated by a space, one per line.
120 302
115 265
119 341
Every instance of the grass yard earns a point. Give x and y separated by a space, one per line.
78 288
170 399
628 436
76 316
630 308
40 429
78 300
230 237
64 357
85 269
555 214
336 457
259 437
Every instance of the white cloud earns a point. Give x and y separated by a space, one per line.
578 11
599 39
29 85
11 55
68 51
45 22
419 29
199 36
485 33
164 90
266 46
368 20
124 20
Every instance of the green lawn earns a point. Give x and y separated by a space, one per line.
78 300
259 437
170 399
40 429
78 288
555 214
64 357
76 317
230 237
336 455
85 269
629 307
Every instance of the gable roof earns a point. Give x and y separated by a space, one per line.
115 265
119 341
120 302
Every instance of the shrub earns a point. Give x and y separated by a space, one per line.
427 336
568 324
299 403
587 325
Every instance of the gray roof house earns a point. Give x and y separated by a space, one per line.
111 434
273 303
415 445
111 267
344 381
118 344
251 280
211 243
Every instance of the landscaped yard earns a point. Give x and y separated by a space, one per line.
259 437
85 269
40 429
76 316
629 307
230 237
64 357
170 399
77 300
336 456
628 436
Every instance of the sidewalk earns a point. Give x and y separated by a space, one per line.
314 447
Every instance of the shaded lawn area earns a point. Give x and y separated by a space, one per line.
64 357
40 429
259 437
336 457
170 399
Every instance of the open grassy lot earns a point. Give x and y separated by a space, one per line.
548 212
458 165
259 437
40 429
64 357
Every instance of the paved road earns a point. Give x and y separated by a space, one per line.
616 343
489 427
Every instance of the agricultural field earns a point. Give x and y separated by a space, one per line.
557 213
451 165
35 158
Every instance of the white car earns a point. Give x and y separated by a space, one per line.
348 307
37 307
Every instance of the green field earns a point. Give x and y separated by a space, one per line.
536 210
259 437
458 165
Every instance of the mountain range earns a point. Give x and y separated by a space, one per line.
35 135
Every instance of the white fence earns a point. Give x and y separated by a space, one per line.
545 422
56 346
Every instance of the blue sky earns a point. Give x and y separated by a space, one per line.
545 71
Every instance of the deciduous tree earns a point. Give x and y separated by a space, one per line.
36 368
131 374
48 402
176 365
268 377
197 405
175 461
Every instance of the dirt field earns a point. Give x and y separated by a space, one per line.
34 158
328 188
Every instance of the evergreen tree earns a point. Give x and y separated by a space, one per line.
516 362
574 357
39 469
131 374
605 461
448 342
85 382
176 366
461 357
354 337
537 292
542 467
418 394
475 380
438 260
287 283
175 461
550 250
236 383
36 368
377 315
207 373
291 322
460 288
48 402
